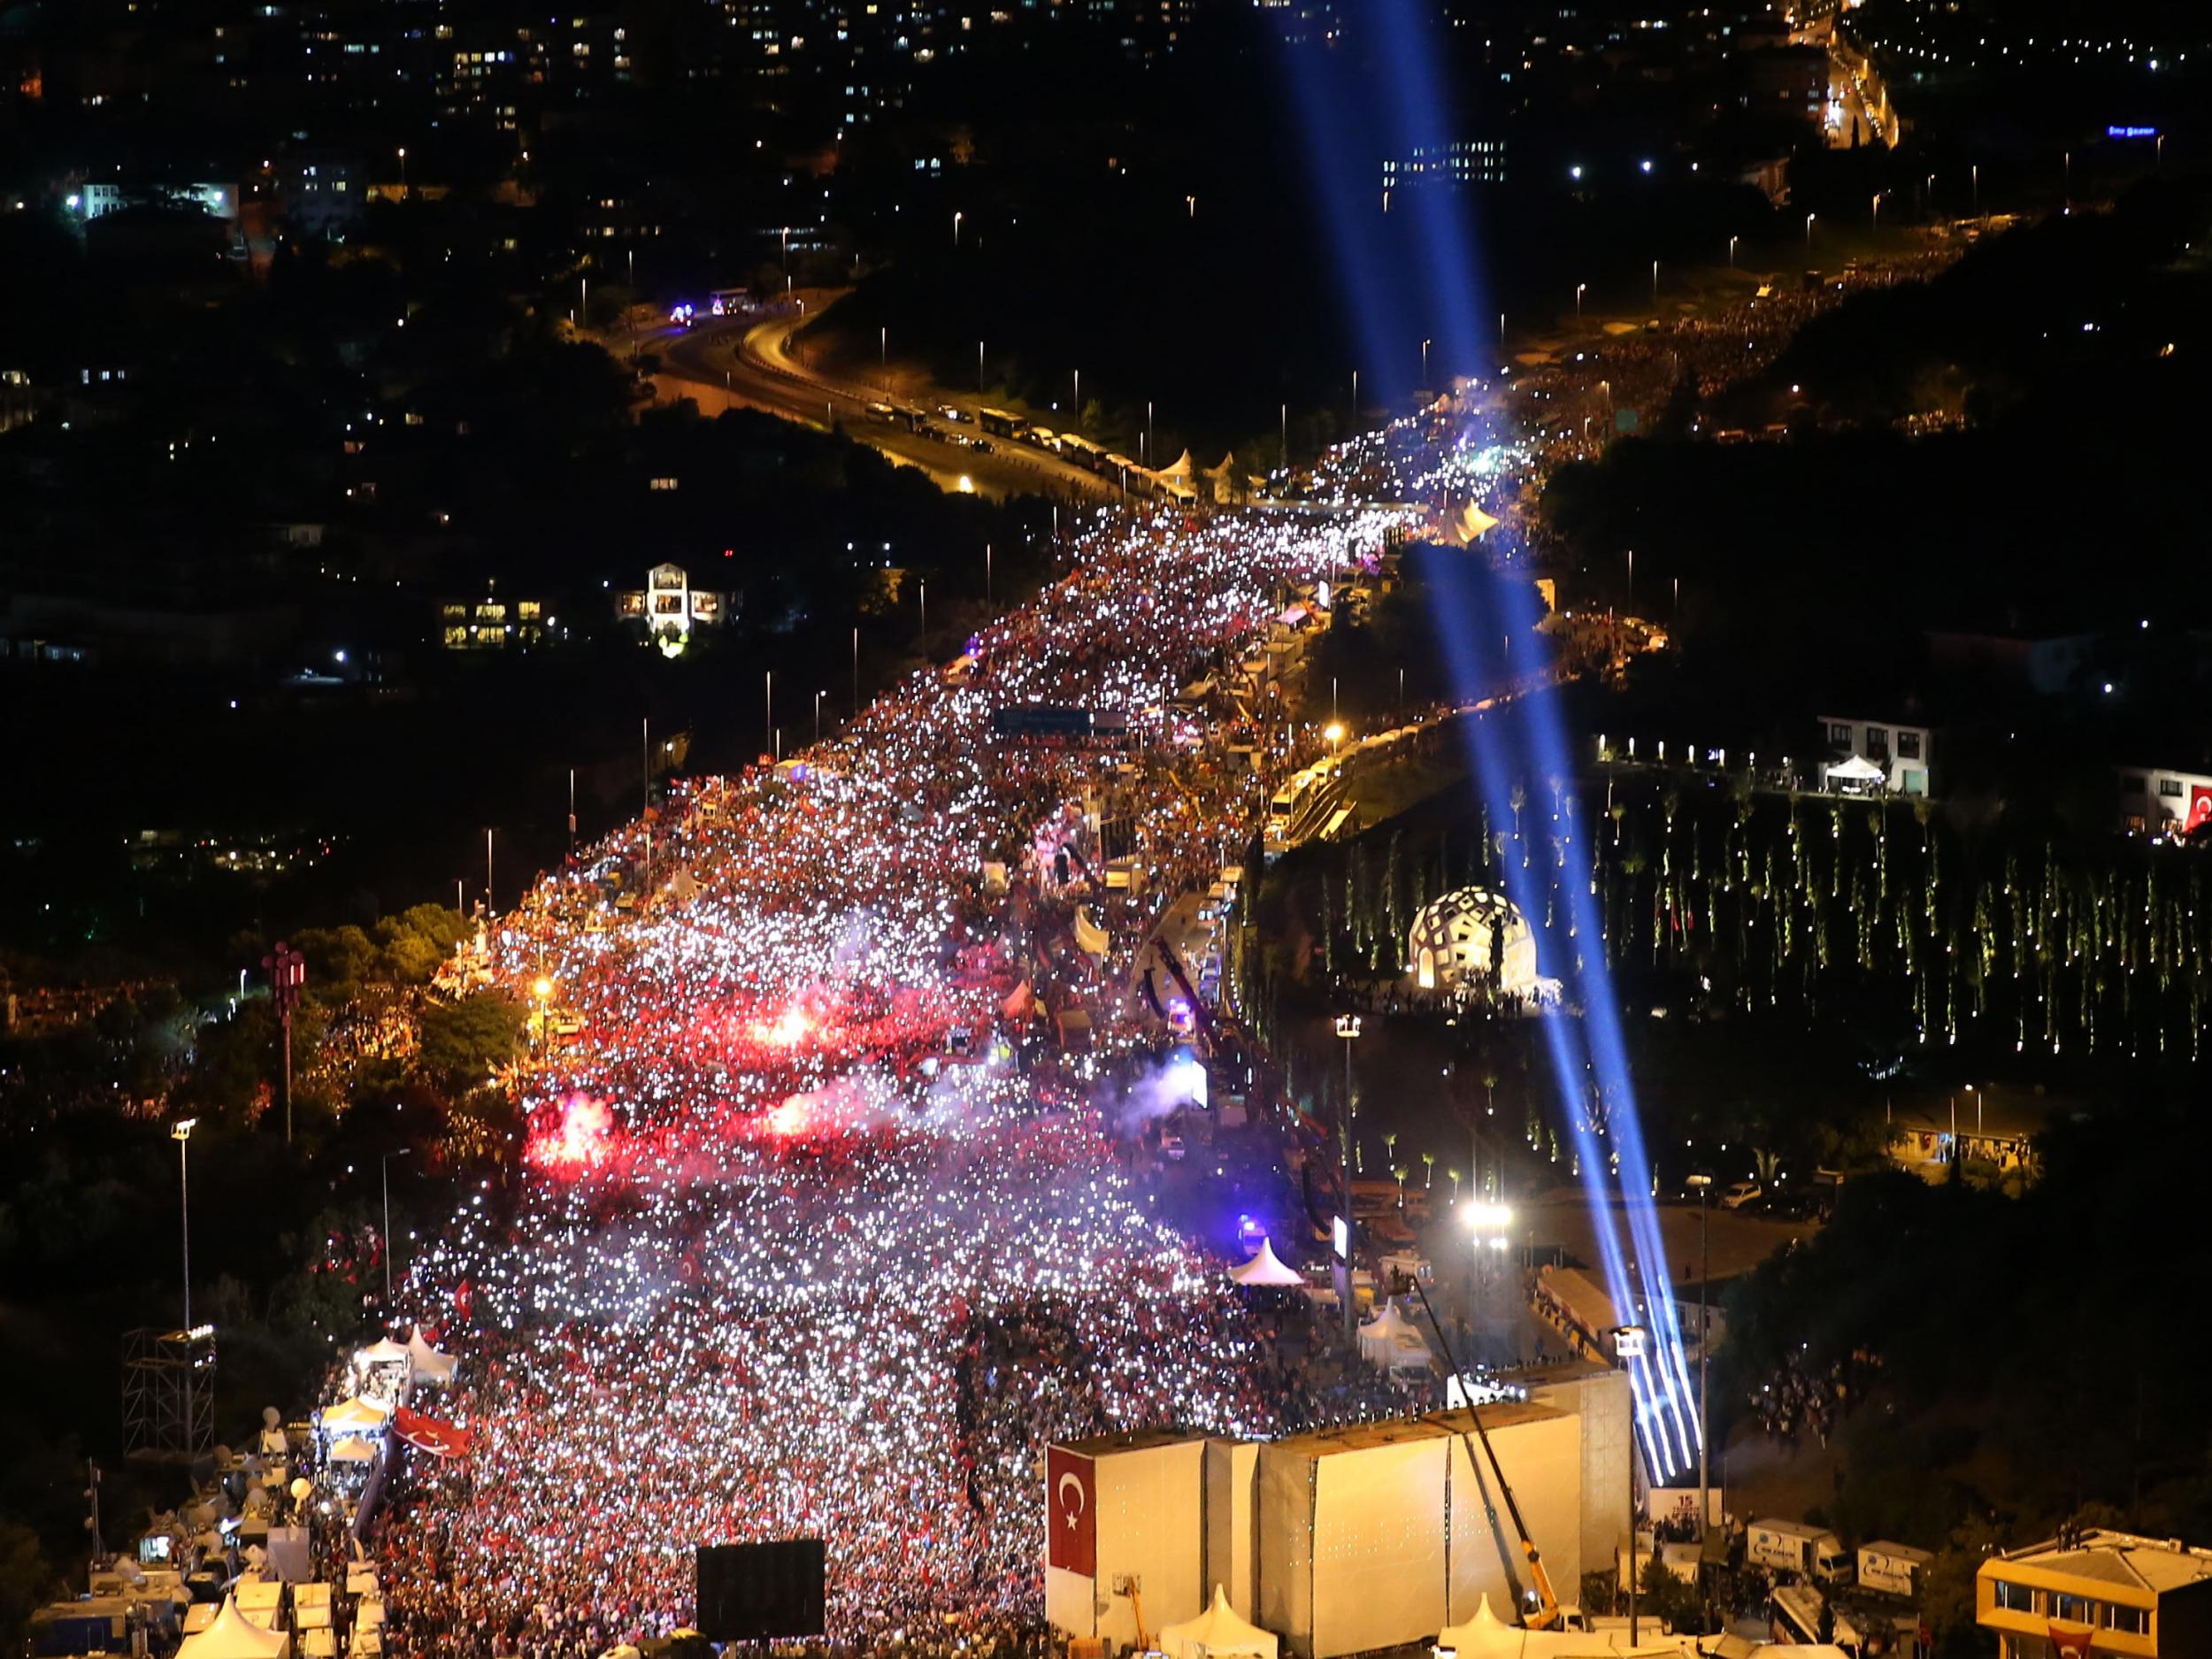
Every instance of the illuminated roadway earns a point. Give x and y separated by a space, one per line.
744 364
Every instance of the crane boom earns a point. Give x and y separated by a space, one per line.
1548 1612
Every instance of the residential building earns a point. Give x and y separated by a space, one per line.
1904 752
670 607
493 623
2099 1593
2158 801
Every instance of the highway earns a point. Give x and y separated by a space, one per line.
742 363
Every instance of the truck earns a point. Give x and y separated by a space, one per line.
1811 1551
1893 1568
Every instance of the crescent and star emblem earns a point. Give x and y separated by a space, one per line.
1073 1506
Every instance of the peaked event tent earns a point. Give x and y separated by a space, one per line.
1216 1633
383 1351
234 1636
1486 1636
1266 1267
1856 769
430 1365
1378 1337
356 1413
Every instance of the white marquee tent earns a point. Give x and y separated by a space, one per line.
1266 1267
383 1351
232 1636
1486 1636
430 1365
1217 1634
1381 1338
348 1416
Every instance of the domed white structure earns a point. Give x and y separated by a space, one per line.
1458 939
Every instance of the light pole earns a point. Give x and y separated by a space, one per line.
1877 210
1347 1028
1426 344
402 1152
180 1131
768 709
978 368
955 230
1580 287
818 695
1704 1334
856 673
402 172
1076 407
1809 218
1732 241
1974 177
1628 1343
986 572
1654 282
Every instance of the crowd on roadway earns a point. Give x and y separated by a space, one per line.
1802 1399
813 1246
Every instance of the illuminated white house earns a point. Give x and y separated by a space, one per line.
1463 938
670 607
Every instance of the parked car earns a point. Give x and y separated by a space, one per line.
1739 1194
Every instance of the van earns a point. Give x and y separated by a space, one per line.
1811 1551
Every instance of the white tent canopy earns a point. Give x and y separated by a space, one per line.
350 1415
1217 1634
1266 1267
430 1365
1380 1338
1858 769
1486 1636
383 1351
234 1636
353 1449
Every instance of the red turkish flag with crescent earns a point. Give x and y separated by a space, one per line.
1072 1511
2071 1641
429 1434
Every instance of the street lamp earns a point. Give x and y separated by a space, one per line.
1628 1343
1654 282
1334 733
402 1152
1426 344
1704 1295
1580 287
1732 241
955 230
180 1131
402 172
1347 1028
818 695
1809 218
1877 210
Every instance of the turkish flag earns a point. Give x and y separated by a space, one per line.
2071 1642
1072 1511
2200 809
427 1433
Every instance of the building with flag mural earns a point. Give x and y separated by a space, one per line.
2093 1593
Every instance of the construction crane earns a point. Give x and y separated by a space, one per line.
1547 1614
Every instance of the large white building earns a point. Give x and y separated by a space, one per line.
1903 753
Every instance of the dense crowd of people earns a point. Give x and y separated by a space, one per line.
813 1246
1800 1400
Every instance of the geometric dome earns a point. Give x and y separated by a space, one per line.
1473 938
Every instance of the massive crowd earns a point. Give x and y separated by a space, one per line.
813 1245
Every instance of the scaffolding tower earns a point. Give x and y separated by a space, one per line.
168 1392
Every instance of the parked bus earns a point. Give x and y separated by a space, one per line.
1082 451
999 424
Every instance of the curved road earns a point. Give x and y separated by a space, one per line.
736 364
